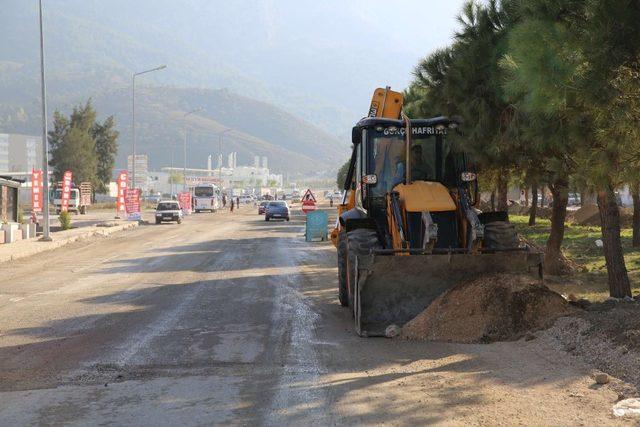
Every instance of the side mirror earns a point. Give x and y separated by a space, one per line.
356 135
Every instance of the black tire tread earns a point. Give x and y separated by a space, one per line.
343 290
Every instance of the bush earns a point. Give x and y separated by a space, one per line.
21 218
65 220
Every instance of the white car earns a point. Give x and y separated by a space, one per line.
168 210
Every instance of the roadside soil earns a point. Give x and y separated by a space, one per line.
606 336
228 319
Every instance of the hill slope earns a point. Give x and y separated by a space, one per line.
290 143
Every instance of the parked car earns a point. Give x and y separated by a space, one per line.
277 209
262 207
168 210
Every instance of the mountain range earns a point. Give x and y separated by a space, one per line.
311 63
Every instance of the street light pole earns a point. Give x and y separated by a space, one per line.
45 141
171 177
133 120
184 146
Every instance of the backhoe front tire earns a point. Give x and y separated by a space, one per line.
360 242
343 289
500 235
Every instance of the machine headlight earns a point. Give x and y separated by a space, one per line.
468 176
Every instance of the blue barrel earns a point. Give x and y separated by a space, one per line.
316 228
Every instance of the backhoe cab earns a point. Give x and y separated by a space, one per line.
407 228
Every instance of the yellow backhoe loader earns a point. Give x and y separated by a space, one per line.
407 227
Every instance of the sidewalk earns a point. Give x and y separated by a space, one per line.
25 248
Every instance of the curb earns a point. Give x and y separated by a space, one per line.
36 247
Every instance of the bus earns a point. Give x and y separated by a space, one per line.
205 198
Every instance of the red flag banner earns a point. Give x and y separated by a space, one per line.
66 190
121 182
132 203
36 190
184 198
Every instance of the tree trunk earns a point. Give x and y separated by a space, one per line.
542 197
534 205
493 200
553 257
583 198
619 286
503 189
635 195
526 196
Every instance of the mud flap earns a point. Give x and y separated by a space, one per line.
391 290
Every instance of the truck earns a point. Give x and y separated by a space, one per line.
79 198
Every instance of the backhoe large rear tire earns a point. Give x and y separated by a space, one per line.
500 235
360 242
343 290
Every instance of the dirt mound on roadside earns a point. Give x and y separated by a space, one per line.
567 266
494 308
586 215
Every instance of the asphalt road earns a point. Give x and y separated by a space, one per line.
228 319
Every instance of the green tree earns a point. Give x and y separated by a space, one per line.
176 178
106 140
540 65
77 154
465 79
84 146
342 174
608 32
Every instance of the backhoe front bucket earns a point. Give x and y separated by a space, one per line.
391 290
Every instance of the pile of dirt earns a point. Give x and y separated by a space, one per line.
567 266
586 215
605 336
494 308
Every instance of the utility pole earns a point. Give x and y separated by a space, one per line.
46 236
133 120
171 176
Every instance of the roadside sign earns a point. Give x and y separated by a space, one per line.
308 195
36 190
184 198
132 203
308 202
66 190
121 183
308 206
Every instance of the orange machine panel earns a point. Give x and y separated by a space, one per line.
386 103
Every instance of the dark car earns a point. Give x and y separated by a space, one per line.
277 210
262 207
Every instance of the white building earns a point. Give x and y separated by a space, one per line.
20 153
142 170
235 176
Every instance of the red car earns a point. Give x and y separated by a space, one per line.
262 207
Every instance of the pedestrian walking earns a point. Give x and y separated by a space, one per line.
238 202
224 200
231 205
